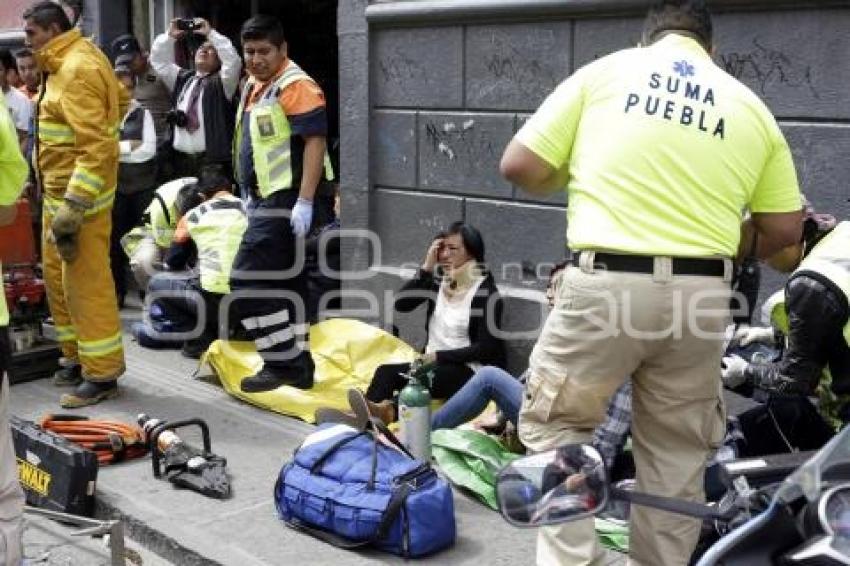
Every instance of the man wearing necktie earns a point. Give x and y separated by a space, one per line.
202 113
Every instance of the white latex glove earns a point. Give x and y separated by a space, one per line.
302 216
732 370
747 335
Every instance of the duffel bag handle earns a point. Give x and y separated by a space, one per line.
379 427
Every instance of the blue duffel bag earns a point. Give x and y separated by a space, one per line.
346 487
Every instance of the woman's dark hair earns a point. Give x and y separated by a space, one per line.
690 16
262 27
44 14
557 268
471 237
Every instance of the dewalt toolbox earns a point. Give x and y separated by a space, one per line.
55 473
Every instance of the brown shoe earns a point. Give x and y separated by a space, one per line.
385 410
364 409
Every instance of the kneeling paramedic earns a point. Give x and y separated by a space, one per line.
212 230
146 244
278 157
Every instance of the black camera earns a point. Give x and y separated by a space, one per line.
188 24
176 118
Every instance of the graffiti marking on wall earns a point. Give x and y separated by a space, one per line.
400 69
507 63
766 68
453 142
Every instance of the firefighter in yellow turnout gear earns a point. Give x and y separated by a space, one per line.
76 160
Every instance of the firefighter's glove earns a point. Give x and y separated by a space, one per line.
733 370
66 229
302 217
747 335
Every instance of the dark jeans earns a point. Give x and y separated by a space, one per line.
387 381
273 310
126 213
182 302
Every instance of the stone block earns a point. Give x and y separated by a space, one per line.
794 60
596 38
511 67
393 152
460 152
523 240
406 223
420 67
821 156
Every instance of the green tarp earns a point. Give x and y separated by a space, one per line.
472 460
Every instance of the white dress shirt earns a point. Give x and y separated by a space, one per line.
147 150
162 61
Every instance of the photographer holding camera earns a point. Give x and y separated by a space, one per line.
202 116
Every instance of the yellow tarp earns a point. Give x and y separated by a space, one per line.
346 353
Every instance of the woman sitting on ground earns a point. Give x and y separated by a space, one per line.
463 317
491 384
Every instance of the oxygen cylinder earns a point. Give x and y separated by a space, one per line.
414 415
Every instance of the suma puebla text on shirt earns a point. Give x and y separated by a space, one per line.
675 98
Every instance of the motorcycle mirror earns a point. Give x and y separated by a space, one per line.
560 485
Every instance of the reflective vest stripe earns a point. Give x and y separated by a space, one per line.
216 228
163 213
269 141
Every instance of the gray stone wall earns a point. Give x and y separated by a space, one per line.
433 91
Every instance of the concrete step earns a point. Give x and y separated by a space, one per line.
189 529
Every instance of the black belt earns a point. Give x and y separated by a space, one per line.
714 267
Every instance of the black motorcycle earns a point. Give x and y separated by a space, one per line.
801 520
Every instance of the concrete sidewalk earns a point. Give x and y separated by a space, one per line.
189 529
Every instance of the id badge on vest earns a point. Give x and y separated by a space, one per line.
265 126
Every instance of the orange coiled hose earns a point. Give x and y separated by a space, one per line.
112 441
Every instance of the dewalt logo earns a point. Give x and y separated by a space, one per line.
33 478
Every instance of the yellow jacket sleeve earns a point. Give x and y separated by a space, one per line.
86 110
13 166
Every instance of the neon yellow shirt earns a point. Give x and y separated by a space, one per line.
665 150
13 173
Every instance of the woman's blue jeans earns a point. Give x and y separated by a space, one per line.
488 384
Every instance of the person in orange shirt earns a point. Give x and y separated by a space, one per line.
278 157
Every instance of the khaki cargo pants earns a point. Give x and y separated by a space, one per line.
666 332
11 496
